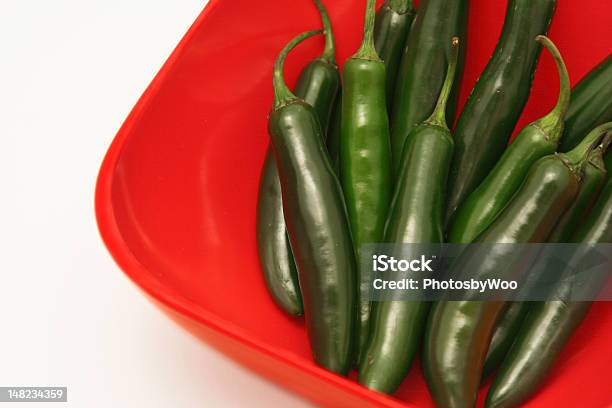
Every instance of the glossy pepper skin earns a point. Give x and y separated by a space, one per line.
591 104
334 134
592 182
393 22
365 155
506 330
318 85
275 254
548 326
316 219
535 141
498 98
415 216
459 332
319 81
391 27
423 67
484 204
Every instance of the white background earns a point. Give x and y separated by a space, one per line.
70 71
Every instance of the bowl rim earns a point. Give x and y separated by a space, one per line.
138 274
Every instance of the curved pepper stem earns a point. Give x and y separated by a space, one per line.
282 94
399 6
554 123
580 154
329 53
367 49
438 117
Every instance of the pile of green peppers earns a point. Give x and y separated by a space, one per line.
367 155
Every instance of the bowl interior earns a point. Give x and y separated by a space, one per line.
184 184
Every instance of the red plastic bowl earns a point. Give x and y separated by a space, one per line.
176 193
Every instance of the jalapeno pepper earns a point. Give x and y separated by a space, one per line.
365 153
549 325
498 98
317 224
275 255
535 141
393 22
592 183
591 104
459 332
317 85
391 27
416 215
512 319
423 67
509 323
319 81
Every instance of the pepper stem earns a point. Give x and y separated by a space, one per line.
367 49
329 53
580 153
282 94
553 123
438 117
399 6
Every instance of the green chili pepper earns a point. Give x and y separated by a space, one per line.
504 334
512 319
416 215
275 254
535 141
592 183
393 22
319 81
549 325
459 332
365 153
591 104
545 332
423 66
317 223
317 85
498 98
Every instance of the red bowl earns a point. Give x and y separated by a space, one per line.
176 194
